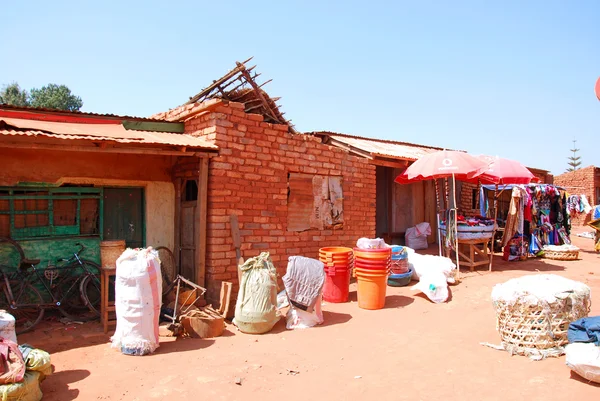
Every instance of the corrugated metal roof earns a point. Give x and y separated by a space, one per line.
98 132
382 147
43 110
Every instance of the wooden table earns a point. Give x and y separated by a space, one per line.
107 307
472 252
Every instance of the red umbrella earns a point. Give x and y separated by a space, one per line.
443 164
504 171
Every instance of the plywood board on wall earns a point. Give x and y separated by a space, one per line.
430 209
402 207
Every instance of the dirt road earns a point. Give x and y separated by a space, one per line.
411 350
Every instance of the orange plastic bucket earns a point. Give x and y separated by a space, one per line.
371 289
372 254
335 250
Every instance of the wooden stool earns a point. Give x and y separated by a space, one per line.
106 306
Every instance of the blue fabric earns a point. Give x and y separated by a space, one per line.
482 202
585 330
596 212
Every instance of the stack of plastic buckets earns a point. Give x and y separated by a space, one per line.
338 263
401 274
371 268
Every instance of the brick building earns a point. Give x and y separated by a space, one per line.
582 181
291 193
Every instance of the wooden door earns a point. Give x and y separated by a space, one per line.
187 226
124 216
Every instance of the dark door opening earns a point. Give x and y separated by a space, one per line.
124 216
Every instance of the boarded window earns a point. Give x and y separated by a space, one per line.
314 202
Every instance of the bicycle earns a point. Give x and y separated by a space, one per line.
73 285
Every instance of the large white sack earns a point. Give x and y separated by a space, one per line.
425 264
584 359
138 297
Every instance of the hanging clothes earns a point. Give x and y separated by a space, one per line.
514 220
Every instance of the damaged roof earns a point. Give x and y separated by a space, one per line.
28 122
240 85
376 148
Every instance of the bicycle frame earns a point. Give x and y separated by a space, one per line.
33 275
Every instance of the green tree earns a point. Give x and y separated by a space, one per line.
574 161
54 96
13 94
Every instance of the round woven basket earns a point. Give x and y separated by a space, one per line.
561 255
536 326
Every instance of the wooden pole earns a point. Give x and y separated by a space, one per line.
201 216
455 227
494 231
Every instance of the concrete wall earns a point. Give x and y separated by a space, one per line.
249 178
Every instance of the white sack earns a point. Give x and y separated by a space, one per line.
584 359
138 297
424 264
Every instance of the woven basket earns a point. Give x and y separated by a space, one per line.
538 329
561 255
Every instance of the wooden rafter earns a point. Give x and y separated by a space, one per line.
240 85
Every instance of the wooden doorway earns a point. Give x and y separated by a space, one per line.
188 229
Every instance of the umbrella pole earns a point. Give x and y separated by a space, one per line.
455 227
494 231
437 216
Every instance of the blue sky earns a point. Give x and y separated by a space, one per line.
512 78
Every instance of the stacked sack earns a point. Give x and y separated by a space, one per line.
24 368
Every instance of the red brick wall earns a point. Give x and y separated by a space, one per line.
249 178
582 181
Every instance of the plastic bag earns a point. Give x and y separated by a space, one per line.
298 319
416 237
366 243
27 390
434 286
584 359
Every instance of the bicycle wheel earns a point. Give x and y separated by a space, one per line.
168 270
91 293
11 253
27 310
89 287
73 306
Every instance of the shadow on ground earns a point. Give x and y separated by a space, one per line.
56 386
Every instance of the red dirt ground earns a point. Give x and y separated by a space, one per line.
413 349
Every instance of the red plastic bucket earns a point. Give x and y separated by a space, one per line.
337 287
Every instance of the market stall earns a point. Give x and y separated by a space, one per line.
478 232
451 165
538 216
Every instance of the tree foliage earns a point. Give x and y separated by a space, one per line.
51 96
13 94
54 96
574 161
